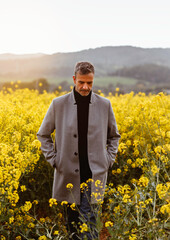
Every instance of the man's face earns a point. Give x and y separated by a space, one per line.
83 83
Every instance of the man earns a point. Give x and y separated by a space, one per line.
86 143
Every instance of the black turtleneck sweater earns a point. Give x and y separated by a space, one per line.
82 115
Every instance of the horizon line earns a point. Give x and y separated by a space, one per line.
59 52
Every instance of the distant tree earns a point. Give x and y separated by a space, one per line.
147 72
41 84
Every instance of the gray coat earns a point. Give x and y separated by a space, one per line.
103 139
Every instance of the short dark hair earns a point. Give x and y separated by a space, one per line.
83 68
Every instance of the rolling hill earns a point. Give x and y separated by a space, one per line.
106 60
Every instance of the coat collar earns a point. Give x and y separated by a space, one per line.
72 98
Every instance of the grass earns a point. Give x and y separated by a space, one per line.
105 81
99 81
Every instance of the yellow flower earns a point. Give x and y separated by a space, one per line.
18 238
64 202
134 230
97 183
133 165
23 188
165 209
114 172
83 186
42 238
73 205
139 162
117 209
142 204
42 220
31 225
89 180
118 170
132 237
47 219
129 161
35 201
27 206
144 126
153 220
162 190
149 200
126 198
11 220
36 143
124 189
143 181
108 224
2 237
52 201
154 169
83 228
133 180
56 232
69 186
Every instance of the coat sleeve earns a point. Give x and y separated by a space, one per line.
113 137
44 136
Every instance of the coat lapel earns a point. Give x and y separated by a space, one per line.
92 114
72 110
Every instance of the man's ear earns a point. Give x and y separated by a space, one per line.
74 79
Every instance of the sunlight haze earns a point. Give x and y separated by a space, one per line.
41 26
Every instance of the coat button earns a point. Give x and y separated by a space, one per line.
76 170
75 153
75 135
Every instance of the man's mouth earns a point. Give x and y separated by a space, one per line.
84 91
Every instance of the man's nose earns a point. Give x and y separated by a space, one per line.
85 86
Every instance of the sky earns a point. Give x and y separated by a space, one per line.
51 26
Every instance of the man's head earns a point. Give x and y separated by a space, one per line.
83 78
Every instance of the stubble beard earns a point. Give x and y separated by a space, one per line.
84 93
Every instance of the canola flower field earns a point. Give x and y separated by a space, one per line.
137 199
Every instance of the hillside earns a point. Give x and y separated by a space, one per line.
106 60
148 72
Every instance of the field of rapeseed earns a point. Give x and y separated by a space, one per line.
137 200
